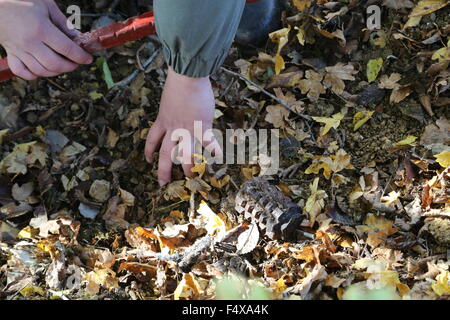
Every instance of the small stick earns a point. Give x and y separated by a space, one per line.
134 74
280 101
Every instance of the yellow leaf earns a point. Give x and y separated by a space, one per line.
423 8
402 288
301 5
442 54
279 64
373 68
443 159
378 229
177 214
40 131
199 167
188 288
409 140
315 202
360 118
301 36
391 198
28 233
442 284
332 122
29 291
316 166
281 37
340 293
214 225
219 183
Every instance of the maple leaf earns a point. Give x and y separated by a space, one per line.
377 228
278 116
336 75
334 163
312 85
176 190
390 82
100 278
332 122
16 162
315 202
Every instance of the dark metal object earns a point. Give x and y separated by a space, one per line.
274 213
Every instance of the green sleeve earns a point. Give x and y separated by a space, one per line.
197 34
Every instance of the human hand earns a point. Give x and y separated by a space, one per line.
184 102
37 39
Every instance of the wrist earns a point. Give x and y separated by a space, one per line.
187 82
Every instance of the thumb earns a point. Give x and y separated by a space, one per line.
61 21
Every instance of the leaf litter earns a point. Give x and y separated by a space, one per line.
82 216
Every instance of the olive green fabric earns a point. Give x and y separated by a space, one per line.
197 34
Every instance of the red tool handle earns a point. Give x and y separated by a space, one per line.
110 36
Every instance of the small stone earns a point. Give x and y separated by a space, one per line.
440 229
87 211
100 190
371 95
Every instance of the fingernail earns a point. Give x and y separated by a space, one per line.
148 159
162 183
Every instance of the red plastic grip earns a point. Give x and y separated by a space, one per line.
110 36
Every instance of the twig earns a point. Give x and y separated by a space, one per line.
113 5
122 84
280 101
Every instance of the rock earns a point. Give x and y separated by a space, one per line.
56 140
87 211
100 190
371 95
289 147
440 230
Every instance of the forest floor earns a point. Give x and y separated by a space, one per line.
365 152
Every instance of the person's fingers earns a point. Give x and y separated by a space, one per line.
51 60
154 139
165 161
19 69
61 21
34 66
62 44
185 152
211 144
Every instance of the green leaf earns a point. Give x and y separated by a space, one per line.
103 65
360 118
407 141
373 68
